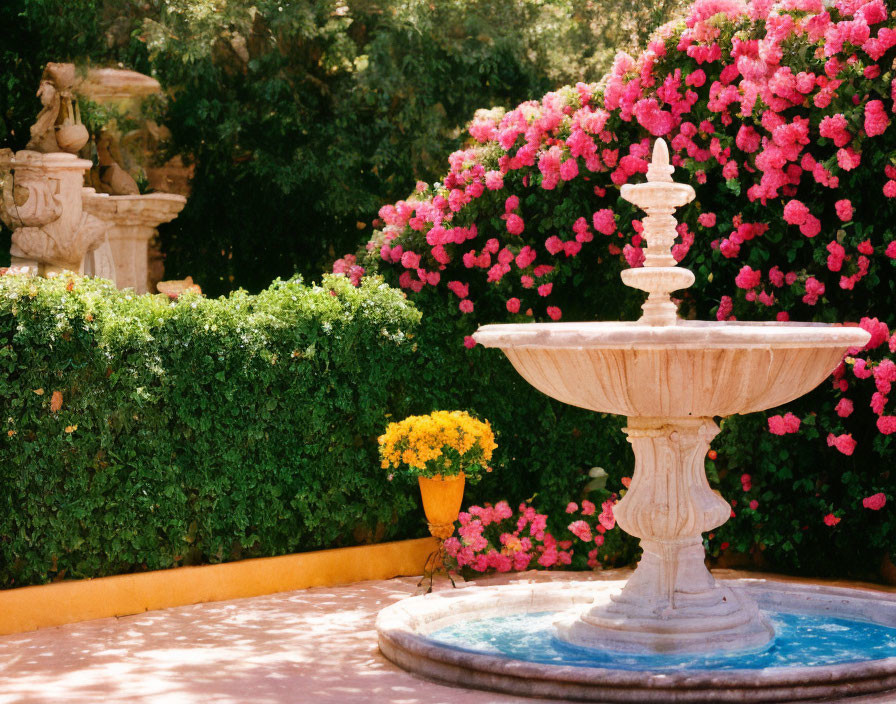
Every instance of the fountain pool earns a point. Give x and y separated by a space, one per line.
672 632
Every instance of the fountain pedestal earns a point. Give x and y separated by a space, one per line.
671 602
41 202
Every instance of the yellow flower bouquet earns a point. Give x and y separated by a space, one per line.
443 443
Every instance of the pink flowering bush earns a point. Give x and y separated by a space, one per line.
781 117
497 539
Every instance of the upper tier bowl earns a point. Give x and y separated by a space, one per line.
691 369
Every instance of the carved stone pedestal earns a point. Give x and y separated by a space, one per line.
131 222
42 204
671 603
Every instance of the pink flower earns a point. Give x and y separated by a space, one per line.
844 443
606 517
754 504
844 408
848 159
588 508
795 212
633 255
879 332
834 128
831 520
747 139
844 209
876 120
748 278
469 342
458 289
553 244
707 219
572 507
554 313
604 221
515 225
779 425
569 169
545 290
875 502
814 289
887 424
466 306
581 530
726 306
410 260
513 305
494 180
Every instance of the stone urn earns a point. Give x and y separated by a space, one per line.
442 497
42 204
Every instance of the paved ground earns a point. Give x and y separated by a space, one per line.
316 645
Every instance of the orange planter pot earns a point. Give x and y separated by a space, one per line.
442 497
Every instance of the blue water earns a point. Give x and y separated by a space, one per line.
800 641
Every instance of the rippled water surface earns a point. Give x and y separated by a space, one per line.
799 641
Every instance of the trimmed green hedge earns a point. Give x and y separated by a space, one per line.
196 431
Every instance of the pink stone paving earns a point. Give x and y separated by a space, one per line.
315 645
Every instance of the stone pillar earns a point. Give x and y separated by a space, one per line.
131 222
671 602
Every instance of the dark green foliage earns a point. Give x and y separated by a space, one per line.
201 431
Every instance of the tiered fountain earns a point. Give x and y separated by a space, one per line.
671 629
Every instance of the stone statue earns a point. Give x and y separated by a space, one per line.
58 127
108 176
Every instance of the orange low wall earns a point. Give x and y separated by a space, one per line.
30 608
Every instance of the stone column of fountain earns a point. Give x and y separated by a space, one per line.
671 602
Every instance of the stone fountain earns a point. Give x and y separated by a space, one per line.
60 224
671 378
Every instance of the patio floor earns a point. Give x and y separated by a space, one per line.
315 645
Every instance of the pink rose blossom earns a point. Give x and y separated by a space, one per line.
844 443
844 209
844 408
515 225
875 502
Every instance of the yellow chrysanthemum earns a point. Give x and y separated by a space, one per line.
442 442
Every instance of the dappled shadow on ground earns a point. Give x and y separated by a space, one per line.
315 645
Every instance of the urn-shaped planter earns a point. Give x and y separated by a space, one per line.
442 497
42 204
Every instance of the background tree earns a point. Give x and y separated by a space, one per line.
302 118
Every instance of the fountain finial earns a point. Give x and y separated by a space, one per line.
660 275
660 169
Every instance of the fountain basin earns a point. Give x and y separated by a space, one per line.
690 369
408 636
671 381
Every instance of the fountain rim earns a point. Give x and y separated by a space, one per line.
685 334
403 630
